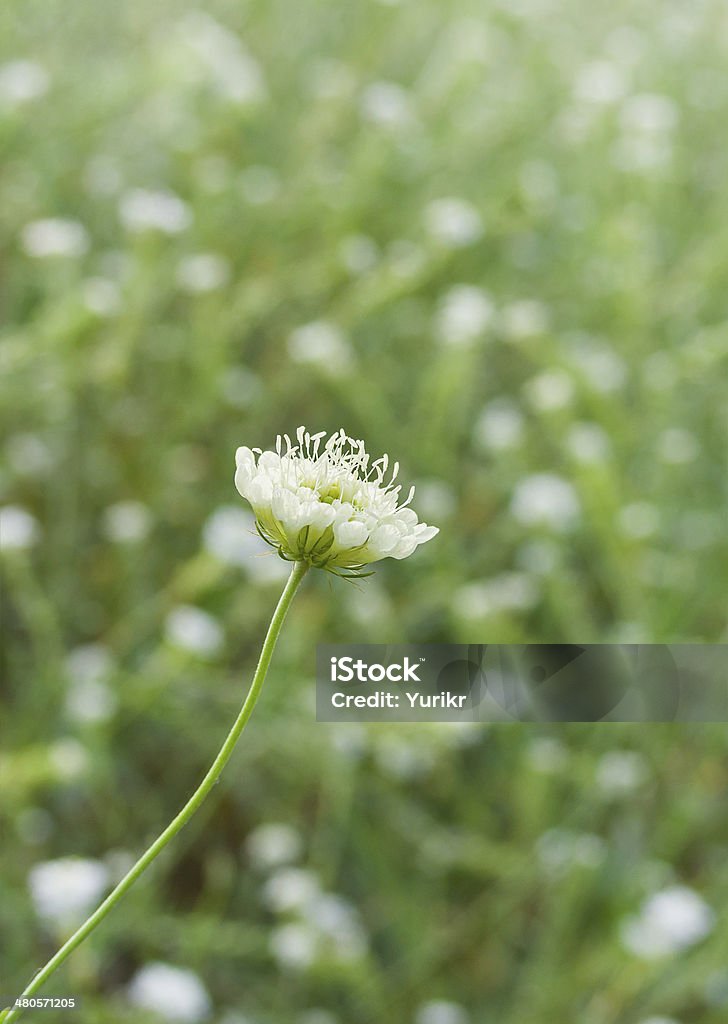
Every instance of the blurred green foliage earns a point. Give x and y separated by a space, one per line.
490 239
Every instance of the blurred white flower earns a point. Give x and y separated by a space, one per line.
511 591
127 522
540 556
545 499
639 520
69 758
291 889
229 534
218 53
203 272
55 236
621 771
371 606
22 81
453 222
337 921
677 446
560 849
173 993
89 662
524 318
650 113
240 387
101 296
18 528
402 758
294 945
28 455
89 700
321 344
500 426
668 922
358 253
149 210
194 630
273 844
465 313
588 443
65 890
547 755
600 81
317 1016
659 1020
438 1011
603 370
550 390
387 104
435 499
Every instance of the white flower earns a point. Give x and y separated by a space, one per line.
294 945
601 81
560 849
588 443
291 889
22 81
203 272
524 319
453 222
171 992
29 455
386 104
464 314
621 771
511 591
54 236
65 890
194 630
545 499
147 210
320 344
272 845
639 520
127 522
358 253
659 1020
550 390
437 1011
500 426
219 55
649 113
547 755
328 506
18 528
670 921
101 296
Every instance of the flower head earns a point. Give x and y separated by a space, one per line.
324 504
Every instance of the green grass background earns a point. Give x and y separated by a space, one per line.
606 228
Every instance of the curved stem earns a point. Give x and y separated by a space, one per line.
297 573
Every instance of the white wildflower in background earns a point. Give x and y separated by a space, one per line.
327 505
620 772
540 556
436 499
68 758
28 455
127 522
229 534
194 630
453 222
677 446
210 52
547 755
559 850
603 369
18 528
649 112
600 82
173 993
588 443
323 345
659 1020
438 1011
240 387
524 318
511 591
149 210
291 889
465 313
549 391
89 697
203 272
55 237
64 890
317 1016
358 253
668 922
101 296
294 945
500 426
22 81
547 500
387 104
639 520
274 844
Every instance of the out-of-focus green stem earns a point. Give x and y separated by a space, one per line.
297 574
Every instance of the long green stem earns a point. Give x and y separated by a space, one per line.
297 574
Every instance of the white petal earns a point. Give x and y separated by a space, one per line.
424 533
404 547
285 506
350 535
260 491
383 540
